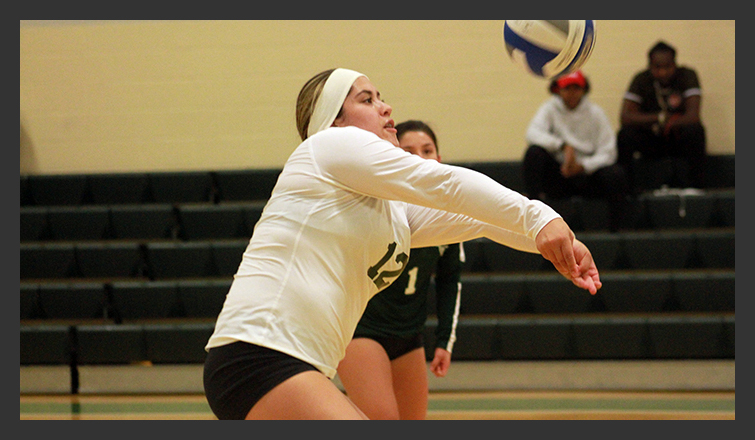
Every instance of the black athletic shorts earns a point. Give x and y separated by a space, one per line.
395 346
237 375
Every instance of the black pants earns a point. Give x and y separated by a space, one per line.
239 374
685 142
395 346
543 180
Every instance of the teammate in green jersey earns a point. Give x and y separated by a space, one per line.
384 368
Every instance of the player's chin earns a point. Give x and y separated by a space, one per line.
390 136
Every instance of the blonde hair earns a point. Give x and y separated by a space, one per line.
305 102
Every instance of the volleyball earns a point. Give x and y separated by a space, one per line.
549 48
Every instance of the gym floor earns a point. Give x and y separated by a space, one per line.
478 405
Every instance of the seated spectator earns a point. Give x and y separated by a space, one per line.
572 150
660 119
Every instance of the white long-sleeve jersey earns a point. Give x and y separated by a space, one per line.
338 228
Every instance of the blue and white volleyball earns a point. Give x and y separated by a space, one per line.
549 48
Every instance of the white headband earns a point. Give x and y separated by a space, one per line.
331 99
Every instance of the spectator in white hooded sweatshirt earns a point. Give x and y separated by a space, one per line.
572 150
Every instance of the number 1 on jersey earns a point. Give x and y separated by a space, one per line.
411 286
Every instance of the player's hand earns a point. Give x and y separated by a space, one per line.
572 259
441 362
555 244
589 278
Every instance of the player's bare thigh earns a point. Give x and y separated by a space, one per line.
366 358
410 384
305 396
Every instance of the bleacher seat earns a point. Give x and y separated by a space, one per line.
110 260
30 308
593 214
704 291
636 215
728 341
172 260
569 210
628 292
33 223
119 188
181 343
25 197
724 213
653 174
476 339
720 171
57 189
687 337
227 255
48 260
716 248
78 222
110 344
555 294
203 298
252 214
534 338
659 250
245 185
485 294
619 337
606 249
140 300
45 344
144 221
73 301
182 186
680 211
207 221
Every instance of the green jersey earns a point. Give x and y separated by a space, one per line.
400 310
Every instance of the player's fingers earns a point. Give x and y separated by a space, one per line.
586 283
560 257
558 263
570 260
437 369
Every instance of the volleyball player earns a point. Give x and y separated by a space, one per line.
337 229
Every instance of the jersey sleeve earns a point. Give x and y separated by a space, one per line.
362 162
432 227
448 295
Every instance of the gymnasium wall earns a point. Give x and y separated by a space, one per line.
123 96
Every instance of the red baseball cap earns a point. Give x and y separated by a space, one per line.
576 78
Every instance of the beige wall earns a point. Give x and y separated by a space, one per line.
127 96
